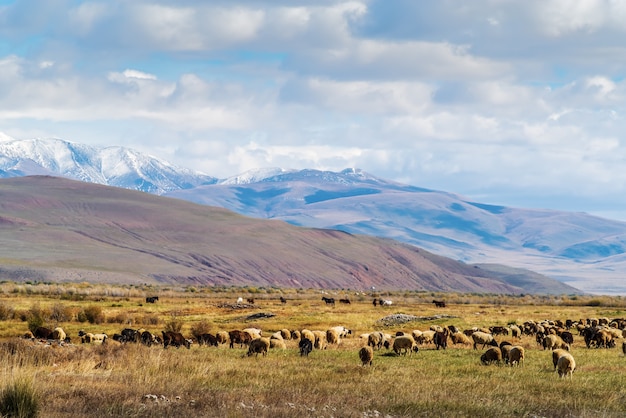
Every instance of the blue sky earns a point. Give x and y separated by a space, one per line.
505 102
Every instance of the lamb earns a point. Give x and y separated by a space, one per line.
483 338
366 354
517 355
404 344
492 355
259 345
566 365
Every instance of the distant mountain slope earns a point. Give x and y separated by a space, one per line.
60 229
113 166
582 250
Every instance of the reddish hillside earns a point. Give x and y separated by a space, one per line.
62 230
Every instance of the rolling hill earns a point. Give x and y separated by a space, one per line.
55 229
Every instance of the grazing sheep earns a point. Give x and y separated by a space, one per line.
276 343
58 334
506 349
366 354
28 335
460 338
286 334
308 334
342 331
375 340
441 339
415 334
276 336
404 344
320 342
483 338
306 346
566 365
254 332
222 337
556 354
515 331
492 355
332 336
517 355
259 345
295 334
552 341
426 337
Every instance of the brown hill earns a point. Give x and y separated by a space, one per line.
54 229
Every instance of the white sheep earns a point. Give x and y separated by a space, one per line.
308 334
552 342
59 334
556 354
480 337
332 336
278 343
253 332
343 332
375 340
566 365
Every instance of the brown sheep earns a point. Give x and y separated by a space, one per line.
404 344
460 338
259 345
332 336
556 354
517 355
366 354
492 355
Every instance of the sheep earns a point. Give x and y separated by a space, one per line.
59 334
416 333
239 300
366 354
222 337
506 349
492 355
483 338
253 332
426 337
308 334
624 347
28 335
259 345
276 343
306 346
375 340
295 334
441 339
551 342
404 344
286 334
517 355
460 338
342 331
556 354
88 337
276 336
515 331
566 365
320 342
332 336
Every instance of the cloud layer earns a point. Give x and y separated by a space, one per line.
516 103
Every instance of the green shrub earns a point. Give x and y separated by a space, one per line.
19 399
94 314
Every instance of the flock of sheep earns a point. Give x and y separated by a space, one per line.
557 336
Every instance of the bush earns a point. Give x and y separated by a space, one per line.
174 325
94 314
6 312
19 399
61 313
202 327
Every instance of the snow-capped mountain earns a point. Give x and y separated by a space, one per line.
113 166
583 251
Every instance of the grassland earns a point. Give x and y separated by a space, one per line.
114 380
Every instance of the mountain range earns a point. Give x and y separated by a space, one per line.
586 252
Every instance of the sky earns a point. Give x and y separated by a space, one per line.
516 103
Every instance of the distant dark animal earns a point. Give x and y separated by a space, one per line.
147 338
375 302
283 300
346 301
441 338
42 332
499 330
250 301
175 339
130 335
439 303
152 299
238 337
306 346
329 301
207 339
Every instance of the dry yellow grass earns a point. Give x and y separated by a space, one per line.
115 380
